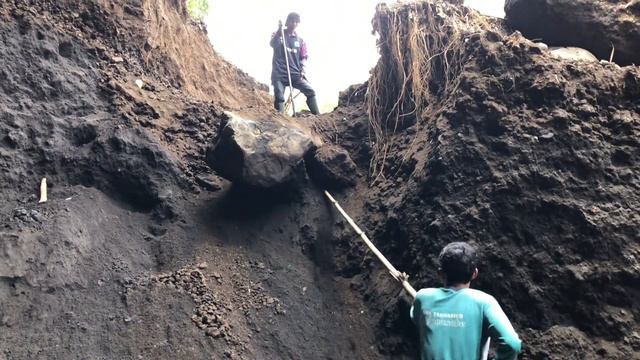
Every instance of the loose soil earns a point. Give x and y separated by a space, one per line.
142 252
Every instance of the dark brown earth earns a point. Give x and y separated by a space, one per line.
142 252
535 160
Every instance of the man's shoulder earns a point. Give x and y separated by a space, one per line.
480 296
427 292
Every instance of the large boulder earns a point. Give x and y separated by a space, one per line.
257 153
595 25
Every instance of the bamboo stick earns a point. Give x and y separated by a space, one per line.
402 277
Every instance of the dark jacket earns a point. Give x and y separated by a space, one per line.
296 51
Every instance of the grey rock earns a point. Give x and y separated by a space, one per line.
260 154
590 24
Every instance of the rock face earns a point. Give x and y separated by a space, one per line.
258 154
595 25
331 167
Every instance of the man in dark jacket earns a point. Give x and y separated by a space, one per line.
297 55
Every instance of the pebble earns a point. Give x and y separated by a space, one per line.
213 332
548 135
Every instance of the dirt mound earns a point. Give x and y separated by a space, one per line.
532 158
142 251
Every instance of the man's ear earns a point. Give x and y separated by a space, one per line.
475 274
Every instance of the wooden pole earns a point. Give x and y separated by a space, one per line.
395 273
402 277
43 191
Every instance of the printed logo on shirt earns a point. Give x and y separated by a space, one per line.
442 319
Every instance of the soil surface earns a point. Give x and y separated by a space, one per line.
534 160
143 252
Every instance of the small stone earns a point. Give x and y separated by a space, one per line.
213 332
547 135
203 265
127 320
117 59
139 83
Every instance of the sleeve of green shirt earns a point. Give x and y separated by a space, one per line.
500 329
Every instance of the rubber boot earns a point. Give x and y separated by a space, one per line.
313 105
279 106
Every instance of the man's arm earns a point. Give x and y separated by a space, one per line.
304 55
415 311
276 39
509 344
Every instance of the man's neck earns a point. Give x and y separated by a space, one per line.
459 286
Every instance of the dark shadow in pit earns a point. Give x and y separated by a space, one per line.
240 202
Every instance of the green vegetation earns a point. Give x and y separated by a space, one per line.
198 9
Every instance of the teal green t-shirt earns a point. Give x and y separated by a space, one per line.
455 324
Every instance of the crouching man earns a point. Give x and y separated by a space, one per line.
455 321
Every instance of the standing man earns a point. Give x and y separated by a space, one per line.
297 55
455 321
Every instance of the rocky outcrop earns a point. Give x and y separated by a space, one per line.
257 153
596 25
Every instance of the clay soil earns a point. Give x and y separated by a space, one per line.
142 252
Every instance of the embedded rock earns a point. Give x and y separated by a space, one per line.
331 167
595 25
573 53
257 153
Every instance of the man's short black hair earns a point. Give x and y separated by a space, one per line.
294 16
458 261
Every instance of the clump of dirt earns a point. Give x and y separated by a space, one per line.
531 158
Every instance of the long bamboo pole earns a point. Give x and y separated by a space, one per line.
402 277
394 272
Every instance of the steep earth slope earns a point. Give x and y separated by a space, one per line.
141 251
493 141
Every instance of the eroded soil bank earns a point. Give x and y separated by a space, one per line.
143 252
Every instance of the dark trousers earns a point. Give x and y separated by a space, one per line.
298 83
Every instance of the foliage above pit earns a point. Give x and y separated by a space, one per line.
198 9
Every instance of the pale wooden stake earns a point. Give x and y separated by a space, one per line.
43 191
613 51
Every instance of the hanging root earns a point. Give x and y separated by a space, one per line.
421 49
